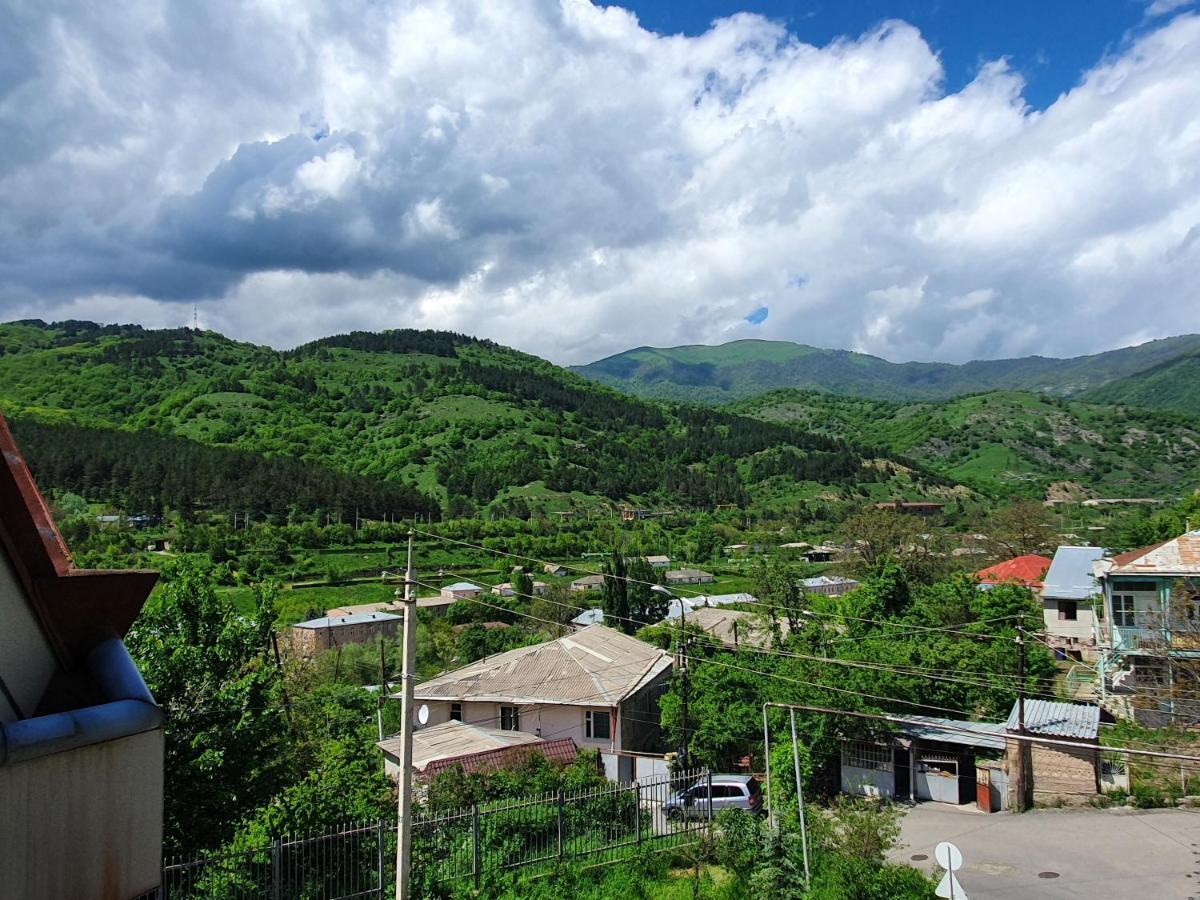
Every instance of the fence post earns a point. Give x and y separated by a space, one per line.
476 867
708 777
637 811
276 852
561 842
379 855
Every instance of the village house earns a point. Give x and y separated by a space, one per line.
1058 773
688 576
1069 591
557 570
588 583
734 628
1151 602
473 748
81 738
687 605
1026 571
461 590
658 562
508 590
312 637
829 585
597 686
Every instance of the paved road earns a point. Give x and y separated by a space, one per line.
1096 853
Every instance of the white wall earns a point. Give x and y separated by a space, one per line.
551 722
868 782
85 822
1081 628
26 661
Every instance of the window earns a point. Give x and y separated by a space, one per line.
1126 587
510 718
1123 616
1068 610
456 712
596 725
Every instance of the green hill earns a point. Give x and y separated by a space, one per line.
743 369
470 423
1016 442
1171 385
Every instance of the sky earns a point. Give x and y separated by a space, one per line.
918 180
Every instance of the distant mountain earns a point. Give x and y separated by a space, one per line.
1011 442
1172 385
734 371
475 426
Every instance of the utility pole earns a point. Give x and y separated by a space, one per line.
800 798
1022 773
683 668
404 806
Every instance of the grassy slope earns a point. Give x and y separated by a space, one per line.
743 369
389 414
1011 441
1172 385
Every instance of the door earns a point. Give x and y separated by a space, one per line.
937 778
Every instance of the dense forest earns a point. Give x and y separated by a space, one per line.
384 422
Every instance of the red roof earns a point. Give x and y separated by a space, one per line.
1027 570
560 750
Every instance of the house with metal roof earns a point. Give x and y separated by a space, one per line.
461 590
315 635
81 737
658 561
471 747
588 583
1027 571
598 686
688 576
1069 591
1151 618
829 585
1067 772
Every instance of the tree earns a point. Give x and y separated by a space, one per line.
878 534
207 665
646 605
614 598
1018 529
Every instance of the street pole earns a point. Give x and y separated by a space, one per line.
800 798
767 757
404 806
683 667
1022 772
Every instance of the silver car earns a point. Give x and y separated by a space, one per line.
728 792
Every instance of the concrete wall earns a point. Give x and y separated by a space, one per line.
550 722
308 641
26 661
83 823
1080 628
1067 773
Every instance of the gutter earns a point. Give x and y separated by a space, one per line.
130 710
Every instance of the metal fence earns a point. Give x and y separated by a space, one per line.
453 849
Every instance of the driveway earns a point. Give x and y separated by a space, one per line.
1092 853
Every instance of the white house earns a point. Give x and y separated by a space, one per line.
688 576
829 585
81 738
597 686
1069 589
508 590
588 583
461 590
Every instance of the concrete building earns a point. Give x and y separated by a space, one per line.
1069 591
829 585
597 686
658 562
1151 620
461 590
316 635
473 748
588 583
508 590
81 739
688 576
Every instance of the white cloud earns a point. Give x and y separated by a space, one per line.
1165 7
553 176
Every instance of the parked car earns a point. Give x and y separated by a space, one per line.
728 792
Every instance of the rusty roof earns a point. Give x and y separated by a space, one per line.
595 666
1027 570
1178 556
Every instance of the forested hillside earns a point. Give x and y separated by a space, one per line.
467 422
741 369
1012 442
1172 385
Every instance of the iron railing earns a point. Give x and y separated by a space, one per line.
456 848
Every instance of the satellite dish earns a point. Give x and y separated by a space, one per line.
423 714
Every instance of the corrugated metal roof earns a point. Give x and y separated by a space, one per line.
989 735
1180 556
719 623
1026 570
594 616
822 580
595 666
462 586
455 739
1053 719
559 750
337 621
1070 576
